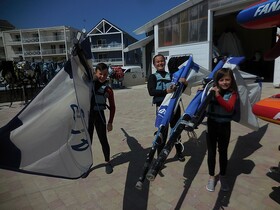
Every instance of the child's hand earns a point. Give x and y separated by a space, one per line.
184 81
171 89
109 127
216 89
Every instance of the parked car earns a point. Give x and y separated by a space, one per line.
133 75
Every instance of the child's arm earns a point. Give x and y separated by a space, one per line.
228 105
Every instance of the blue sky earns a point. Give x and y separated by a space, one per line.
125 14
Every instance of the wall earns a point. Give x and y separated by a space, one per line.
199 51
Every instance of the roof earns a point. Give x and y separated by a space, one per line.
4 24
139 43
110 28
150 25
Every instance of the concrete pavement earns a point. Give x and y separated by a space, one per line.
181 185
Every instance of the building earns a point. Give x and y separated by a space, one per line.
4 26
39 44
198 27
108 43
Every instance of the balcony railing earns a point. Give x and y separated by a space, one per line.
32 52
111 46
53 51
29 40
14 41
111 61
107 59
52 38
58 38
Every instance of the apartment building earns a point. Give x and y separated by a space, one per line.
4 26
108 43
39 44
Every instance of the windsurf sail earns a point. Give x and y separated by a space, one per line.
248 94
198 106
194 75
49 136
249 91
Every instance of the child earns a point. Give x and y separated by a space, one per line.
220 111
102 92
159 84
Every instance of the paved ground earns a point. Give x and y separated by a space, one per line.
181 184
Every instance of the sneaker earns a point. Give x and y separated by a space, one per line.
139 185
224 184
180 157
210 185
109 168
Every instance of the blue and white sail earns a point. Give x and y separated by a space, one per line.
194 75
249 92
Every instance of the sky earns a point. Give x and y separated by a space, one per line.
128 15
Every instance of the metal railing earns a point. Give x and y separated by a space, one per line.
32 52
53 51
31 39
107 60
36 39
107 46
52 38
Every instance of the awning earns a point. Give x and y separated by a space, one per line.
139 43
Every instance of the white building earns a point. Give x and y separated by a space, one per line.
194 26
4 26
107 45
37 44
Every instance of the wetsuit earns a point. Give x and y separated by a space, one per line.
219 112
97 119
158 96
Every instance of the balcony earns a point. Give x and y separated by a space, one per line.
107 47
14 42
58 38
32 52
16 54
30 40
53 51
112 61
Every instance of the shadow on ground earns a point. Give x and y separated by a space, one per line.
239 164
133 198
196 149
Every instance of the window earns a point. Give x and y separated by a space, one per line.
102 57
53 47
101 42
61 48
17 38
187 26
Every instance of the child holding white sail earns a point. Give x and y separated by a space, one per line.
219 115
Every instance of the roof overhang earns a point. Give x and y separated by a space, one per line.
139 44
150 25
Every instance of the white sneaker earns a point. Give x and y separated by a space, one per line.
210 185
